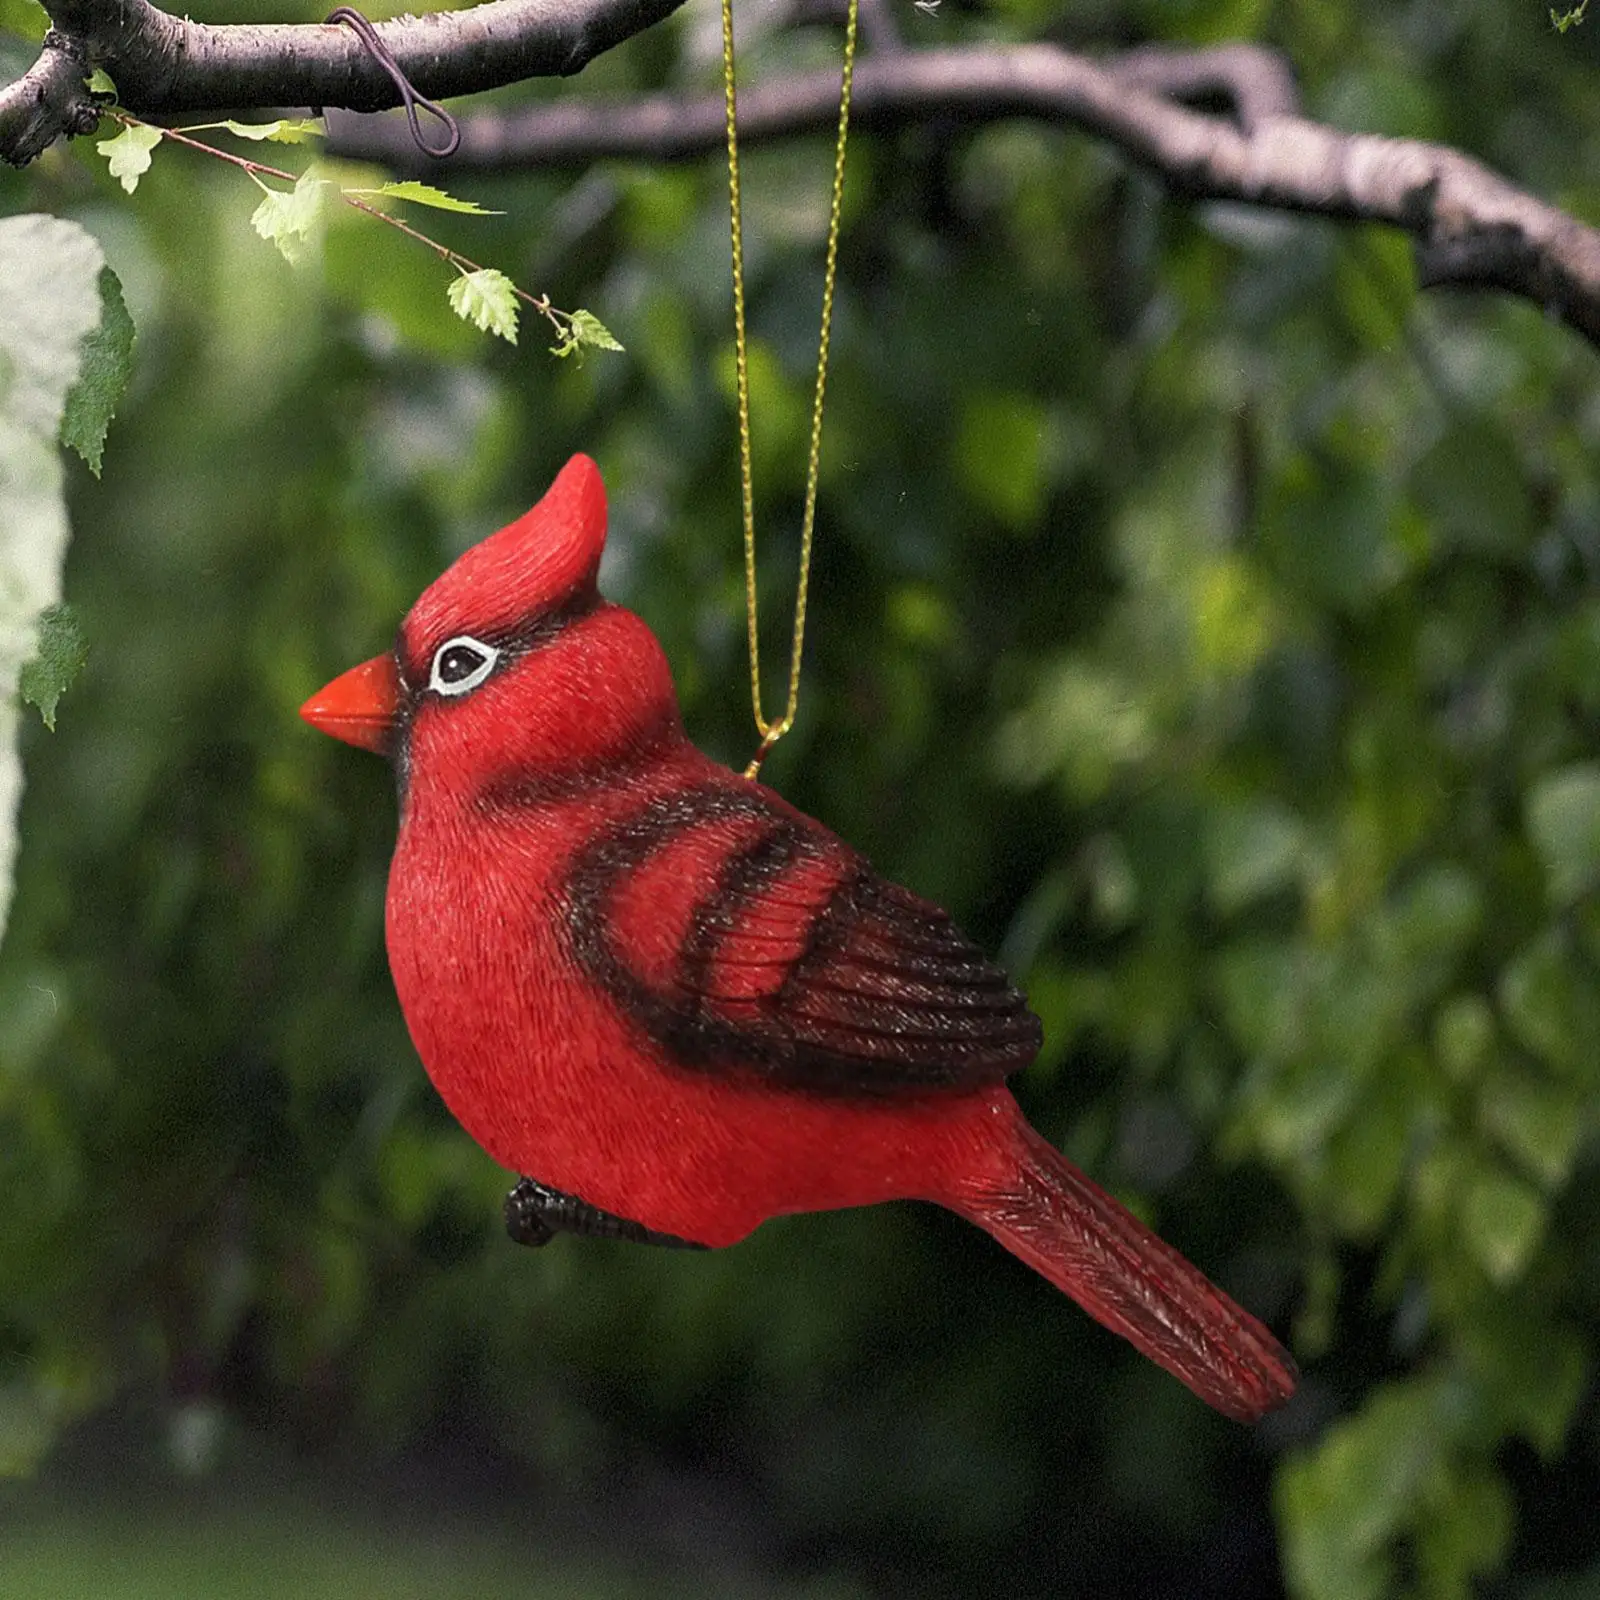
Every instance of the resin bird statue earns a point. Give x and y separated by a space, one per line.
673 1004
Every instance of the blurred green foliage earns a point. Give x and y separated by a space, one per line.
1208 620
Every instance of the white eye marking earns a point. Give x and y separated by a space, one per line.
461 664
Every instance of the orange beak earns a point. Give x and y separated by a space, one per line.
360 706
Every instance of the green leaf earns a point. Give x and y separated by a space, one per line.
286 130
1564 823
1342 1503
1364 1161
585 331
1252 849
424 194
24 17
1541 1124
129 153
61 654
1231 614
1533 1370
488 299
103 377
1464 1036
27 1428
1393 1488
1420 934
1550 1006
1327 528
1000 455
291 218
1472 485
1466 1531
1502 1219
1086 723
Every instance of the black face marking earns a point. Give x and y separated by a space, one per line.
535 632
532 790
625 847
886 996
828 929
691 1036
405 711
744 875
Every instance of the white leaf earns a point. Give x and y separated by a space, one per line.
51 273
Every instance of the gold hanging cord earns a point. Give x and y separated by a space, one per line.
772 732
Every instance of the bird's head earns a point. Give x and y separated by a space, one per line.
509 667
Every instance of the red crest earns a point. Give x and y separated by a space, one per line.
546 558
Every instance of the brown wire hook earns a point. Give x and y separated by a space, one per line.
379 51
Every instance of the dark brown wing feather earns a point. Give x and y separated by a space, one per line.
889 994
793 958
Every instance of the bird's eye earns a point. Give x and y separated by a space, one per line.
461 664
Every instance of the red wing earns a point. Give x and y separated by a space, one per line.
788 954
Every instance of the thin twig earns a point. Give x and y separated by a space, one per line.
558 319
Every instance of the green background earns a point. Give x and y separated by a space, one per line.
1207 619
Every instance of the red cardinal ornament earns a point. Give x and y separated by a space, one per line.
678 1005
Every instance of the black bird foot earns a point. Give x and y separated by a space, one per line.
535 1214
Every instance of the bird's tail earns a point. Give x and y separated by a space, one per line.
1052 1217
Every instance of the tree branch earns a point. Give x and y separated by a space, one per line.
164 64
1216 124
1472 228
50 100
1245 81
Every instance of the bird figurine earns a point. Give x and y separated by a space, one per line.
674 1005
